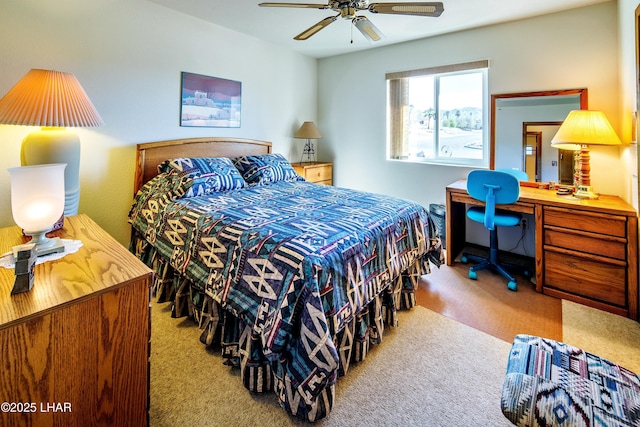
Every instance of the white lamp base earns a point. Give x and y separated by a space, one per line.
44 245
56 145
585 192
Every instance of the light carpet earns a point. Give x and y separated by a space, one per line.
608 335
430 371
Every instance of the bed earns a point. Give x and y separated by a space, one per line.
293 281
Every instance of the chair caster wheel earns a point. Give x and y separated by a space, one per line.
473 275
463 259
513 286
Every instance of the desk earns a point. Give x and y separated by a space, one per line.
586 250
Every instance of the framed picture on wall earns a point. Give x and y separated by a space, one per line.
210 101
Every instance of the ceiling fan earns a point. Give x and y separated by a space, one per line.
348 10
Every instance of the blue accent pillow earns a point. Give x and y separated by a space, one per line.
265 169
203 175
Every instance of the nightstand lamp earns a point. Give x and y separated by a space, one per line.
53 100
37 202
585 127
309 131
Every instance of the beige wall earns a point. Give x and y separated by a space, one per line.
572 49
128 55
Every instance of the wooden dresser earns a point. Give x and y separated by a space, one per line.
75 348
318 172
586 250
585 256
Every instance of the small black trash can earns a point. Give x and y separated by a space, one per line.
438 215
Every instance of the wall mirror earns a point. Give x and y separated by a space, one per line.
522 126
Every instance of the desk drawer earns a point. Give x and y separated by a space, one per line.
591 243
587 221
590 278
522 207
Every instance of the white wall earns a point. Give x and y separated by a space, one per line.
628 92
573 49
128 55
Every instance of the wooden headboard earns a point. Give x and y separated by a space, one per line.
149 155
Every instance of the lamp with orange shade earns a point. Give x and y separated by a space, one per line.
584 128
53 100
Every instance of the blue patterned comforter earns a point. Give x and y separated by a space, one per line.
296 262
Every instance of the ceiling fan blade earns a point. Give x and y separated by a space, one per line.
315 28
299 5
433 9
368 30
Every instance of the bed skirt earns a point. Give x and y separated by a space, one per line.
241 348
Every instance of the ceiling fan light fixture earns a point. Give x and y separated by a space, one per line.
348 12
347 9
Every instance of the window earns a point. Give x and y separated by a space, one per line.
439 115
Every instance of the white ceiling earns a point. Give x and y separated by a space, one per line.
279 25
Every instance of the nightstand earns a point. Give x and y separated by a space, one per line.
75 348
318 172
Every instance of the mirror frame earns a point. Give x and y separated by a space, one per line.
584 102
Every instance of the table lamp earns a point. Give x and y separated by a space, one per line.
53 100
575 149
309 131
584 128
37 202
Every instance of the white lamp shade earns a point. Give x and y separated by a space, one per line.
37 196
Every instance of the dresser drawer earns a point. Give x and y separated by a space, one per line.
318 173
590 278
592 243
586 221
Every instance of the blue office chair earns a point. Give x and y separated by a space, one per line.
494 188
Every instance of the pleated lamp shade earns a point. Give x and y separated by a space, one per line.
582 128
48 98
53 100
586 127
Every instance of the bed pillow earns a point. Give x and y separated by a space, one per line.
161 189
266 168
203 175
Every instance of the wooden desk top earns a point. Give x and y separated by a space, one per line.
605 203
99 265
